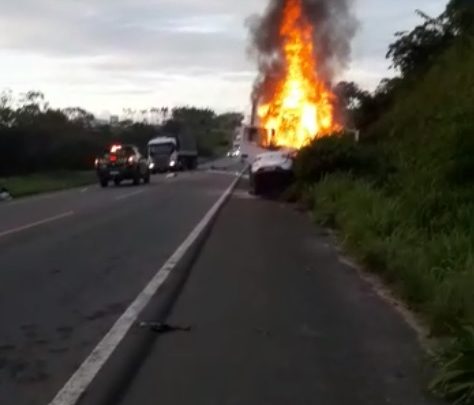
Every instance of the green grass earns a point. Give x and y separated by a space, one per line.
22 186
410 218
433 271
456 378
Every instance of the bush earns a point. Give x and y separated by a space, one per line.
456 378
37 138
339 153
431 268
403 200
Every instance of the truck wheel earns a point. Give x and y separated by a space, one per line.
104 183
117 182
136 180
146 179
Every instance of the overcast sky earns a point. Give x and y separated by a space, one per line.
105 55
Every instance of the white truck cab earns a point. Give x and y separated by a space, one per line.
162 154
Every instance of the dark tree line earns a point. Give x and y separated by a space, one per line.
412 54
35 137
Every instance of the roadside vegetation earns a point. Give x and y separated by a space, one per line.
26 185
402 198
36 140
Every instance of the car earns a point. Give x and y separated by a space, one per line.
122 162
271 171
235 152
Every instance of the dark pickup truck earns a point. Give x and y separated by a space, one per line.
122 162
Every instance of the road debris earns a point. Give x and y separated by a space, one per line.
160 327
5 194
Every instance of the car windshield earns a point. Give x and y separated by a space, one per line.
161 149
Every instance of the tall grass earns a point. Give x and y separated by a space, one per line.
22 186
408 213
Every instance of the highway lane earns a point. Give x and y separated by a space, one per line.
71 262
22 212
278 317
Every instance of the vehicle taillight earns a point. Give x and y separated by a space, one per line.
115 148
113 158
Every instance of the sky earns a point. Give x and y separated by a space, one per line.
107 55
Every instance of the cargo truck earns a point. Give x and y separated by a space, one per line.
172 152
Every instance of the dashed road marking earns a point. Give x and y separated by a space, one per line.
36 224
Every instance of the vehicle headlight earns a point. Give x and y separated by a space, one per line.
151 165
172 163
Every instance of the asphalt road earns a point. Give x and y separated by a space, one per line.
278 317
71 262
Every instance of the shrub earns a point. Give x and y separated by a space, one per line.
456 378
339 153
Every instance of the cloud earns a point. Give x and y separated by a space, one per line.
87 47
378 26
117 53
155 35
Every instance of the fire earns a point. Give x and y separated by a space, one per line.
301 106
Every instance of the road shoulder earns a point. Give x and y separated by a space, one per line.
277 318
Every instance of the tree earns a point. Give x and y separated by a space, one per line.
32 105
460 14
229 120
129 114
6 108
414 51
35 137
350 95
79 116
165 113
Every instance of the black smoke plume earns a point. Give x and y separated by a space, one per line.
334 26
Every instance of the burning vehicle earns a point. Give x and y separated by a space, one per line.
271 171
293 102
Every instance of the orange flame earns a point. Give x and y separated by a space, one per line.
301 107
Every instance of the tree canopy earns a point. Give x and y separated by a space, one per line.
412 54
36 137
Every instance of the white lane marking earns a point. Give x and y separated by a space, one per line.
228 173
224 172
35 224
33 199
128 195
45 196
85 374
